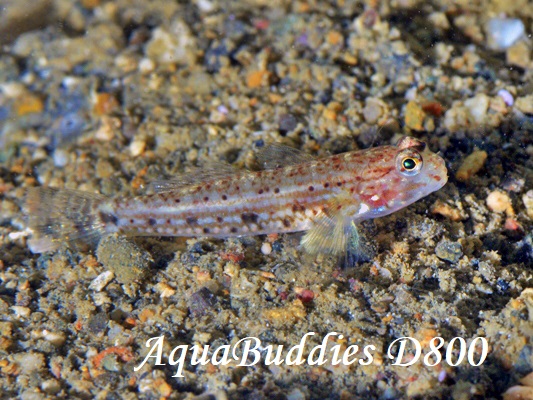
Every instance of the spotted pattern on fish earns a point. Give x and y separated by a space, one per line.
322 196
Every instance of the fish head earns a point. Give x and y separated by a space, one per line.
407 172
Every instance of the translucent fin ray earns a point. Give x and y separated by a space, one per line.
275 155
330 231
210 171
56 216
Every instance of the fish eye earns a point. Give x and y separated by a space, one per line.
409 162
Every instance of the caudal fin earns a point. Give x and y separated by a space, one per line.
58 216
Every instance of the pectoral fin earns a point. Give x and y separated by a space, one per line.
331 232
359 248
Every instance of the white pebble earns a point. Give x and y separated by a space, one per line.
478 106
411 94
502 33
50 386
205 5
12 89
20 311
60 158
137 147
39 155
70 82
266 248
56 338
499 202
29 362
101 281
146 66
17 235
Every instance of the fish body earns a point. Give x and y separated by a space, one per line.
295 192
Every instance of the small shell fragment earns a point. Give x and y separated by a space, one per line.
528 203
137 147
165 290
499 202
101 281
506 96
471 165
266 248
56 338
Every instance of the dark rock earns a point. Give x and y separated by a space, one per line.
287 123
201 301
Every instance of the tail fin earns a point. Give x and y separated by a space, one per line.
56 216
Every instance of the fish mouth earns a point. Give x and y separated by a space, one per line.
445 179
441 167
412 193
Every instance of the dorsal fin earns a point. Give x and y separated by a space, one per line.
407 142
211 171
274 155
